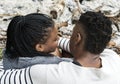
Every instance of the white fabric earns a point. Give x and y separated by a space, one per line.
66 73
69 73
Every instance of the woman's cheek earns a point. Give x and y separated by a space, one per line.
55 45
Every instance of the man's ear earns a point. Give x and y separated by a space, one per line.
39 47
78 38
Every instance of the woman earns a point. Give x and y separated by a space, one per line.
30 40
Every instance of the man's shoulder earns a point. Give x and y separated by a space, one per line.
109 53
111 59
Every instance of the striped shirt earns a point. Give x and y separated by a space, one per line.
66 72
22 76
15 76
63 43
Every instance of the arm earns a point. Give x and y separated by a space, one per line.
63 43
38 74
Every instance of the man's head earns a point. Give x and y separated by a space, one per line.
31 35
91 33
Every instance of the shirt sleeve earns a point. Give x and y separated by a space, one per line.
39 74
63 43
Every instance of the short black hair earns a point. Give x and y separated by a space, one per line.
97 29
24 32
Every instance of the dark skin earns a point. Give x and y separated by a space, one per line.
85 58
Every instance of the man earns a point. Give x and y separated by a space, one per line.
92 63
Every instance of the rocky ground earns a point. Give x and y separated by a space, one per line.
58 10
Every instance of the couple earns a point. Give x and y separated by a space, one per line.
31 39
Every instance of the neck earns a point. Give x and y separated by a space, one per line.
89 60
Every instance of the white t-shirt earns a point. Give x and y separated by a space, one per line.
66 72
69 73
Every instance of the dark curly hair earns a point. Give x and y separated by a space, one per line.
24 32
97 29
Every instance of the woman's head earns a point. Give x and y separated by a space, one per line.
31 35
91 33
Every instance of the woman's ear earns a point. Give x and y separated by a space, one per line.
78 38
39 47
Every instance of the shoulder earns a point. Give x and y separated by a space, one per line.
109 53
47 69
111 59
41 73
